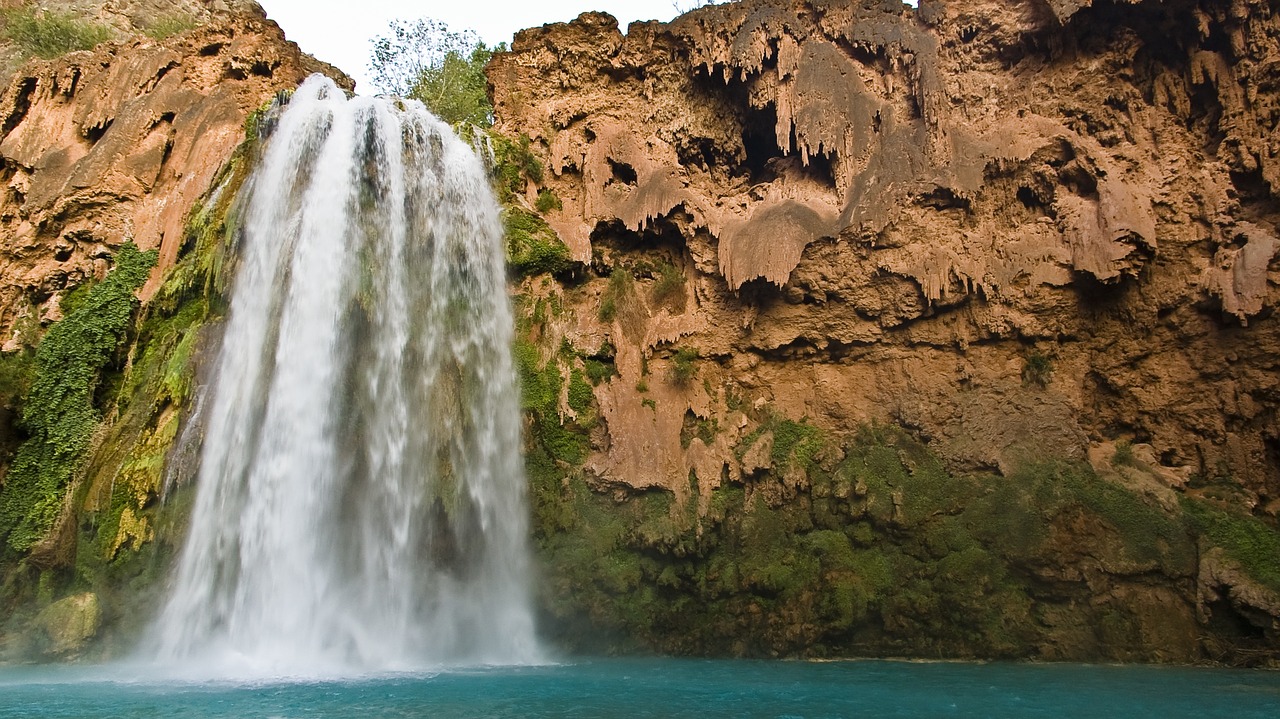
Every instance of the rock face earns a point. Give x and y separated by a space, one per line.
70 624
1021 229
867 330
891 214
122 143
114 144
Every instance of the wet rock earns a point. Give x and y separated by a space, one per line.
116 144
70 624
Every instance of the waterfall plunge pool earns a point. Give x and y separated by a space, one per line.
638 688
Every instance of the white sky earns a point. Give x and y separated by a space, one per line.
340 31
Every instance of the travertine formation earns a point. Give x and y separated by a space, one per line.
882 213
816 246
1023 229
116 144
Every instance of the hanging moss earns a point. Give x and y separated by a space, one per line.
884 552
581 398
533 248
59 413
515 164
1248 540
563 439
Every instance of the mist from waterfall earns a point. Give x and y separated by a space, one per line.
360 505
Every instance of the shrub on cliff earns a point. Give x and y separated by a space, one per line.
59 413
425 60
49 34
533 248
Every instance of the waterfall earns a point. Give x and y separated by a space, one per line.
360 504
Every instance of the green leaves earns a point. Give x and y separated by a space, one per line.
58 413
426 61
50 34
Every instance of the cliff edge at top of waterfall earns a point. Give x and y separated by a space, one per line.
117 143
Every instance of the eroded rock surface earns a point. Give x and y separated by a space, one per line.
881 213
1022 229
116 144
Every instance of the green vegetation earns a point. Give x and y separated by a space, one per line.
59 413
794 442
879 550
684 365
1123 456
533 248
695 426
669 286
444 69
1037 370
169 25
117 539
49 33
1248 540
547 201
557 439
617 293
16 370
599 371
514 165
581 397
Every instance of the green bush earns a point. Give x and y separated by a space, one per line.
533 248
59 412
620 290
547 201
50 34
670 283
684 366
1037 370
1123 456
599 371
442 68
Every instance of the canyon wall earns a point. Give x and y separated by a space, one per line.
119 166
844 328
117 143
1005 233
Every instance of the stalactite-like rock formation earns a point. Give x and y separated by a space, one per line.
1022 230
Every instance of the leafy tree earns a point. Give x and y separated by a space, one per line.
444 69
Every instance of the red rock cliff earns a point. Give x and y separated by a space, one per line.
1020 228
116 144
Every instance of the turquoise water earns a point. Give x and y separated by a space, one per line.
668 688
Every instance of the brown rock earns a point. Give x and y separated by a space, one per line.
889 214
116 144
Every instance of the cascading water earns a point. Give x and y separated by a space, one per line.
360 503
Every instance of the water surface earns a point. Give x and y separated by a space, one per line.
667 688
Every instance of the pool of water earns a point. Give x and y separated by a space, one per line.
663 688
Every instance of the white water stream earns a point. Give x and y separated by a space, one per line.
361 496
